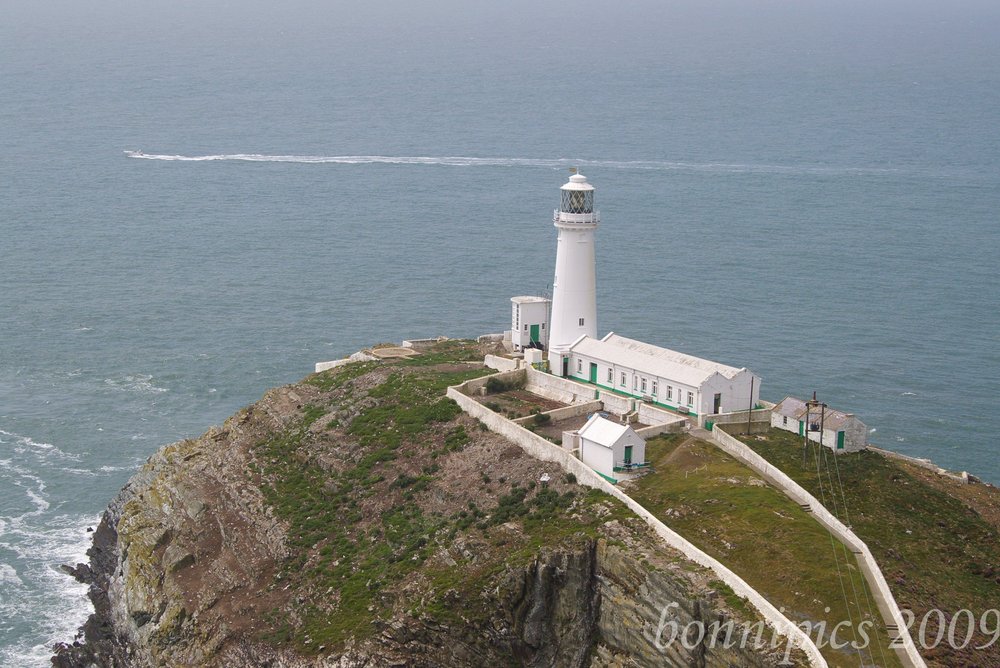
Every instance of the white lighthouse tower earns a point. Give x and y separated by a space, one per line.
574 290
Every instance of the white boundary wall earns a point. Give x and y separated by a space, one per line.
501 363
614 403
360 356
326 366
539 448
558 389
907 652
566 412
662 421
664 428
757 416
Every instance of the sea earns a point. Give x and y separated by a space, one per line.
806 188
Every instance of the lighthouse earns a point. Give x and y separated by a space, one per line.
574 289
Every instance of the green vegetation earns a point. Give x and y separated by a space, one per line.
540 419
338 376
320 505
495 385
448 352
934 550
355 532
541 507
721 506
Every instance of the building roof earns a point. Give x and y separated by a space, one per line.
577 182
603 431
662 362
527 299
833 419
790 407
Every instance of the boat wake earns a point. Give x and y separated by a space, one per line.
466 161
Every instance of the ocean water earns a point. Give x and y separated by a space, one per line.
809 189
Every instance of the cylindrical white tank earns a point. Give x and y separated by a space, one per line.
574 290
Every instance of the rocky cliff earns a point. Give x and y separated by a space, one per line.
360 519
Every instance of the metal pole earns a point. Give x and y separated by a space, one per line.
805 433
822 423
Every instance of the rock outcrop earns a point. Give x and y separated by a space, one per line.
358 519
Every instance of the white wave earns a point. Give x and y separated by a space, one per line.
54 603
20 476
8 576
554 163
112 469
141 383
85 472
23 443
25 440
908 394
41 504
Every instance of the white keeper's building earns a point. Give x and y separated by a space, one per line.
837 430
662 376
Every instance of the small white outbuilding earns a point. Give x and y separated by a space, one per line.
614 450
529 322
841 432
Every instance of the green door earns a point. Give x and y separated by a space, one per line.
628 454
534 334
802 428
593 373
840 440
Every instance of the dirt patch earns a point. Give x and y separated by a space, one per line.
518 403
391 353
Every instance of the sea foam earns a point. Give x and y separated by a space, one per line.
554 163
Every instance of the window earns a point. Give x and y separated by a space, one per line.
690 398
579 365
526 327
611 376
654 388
581 322
623 379
543 325
784 420
577 201
644 386
670 392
